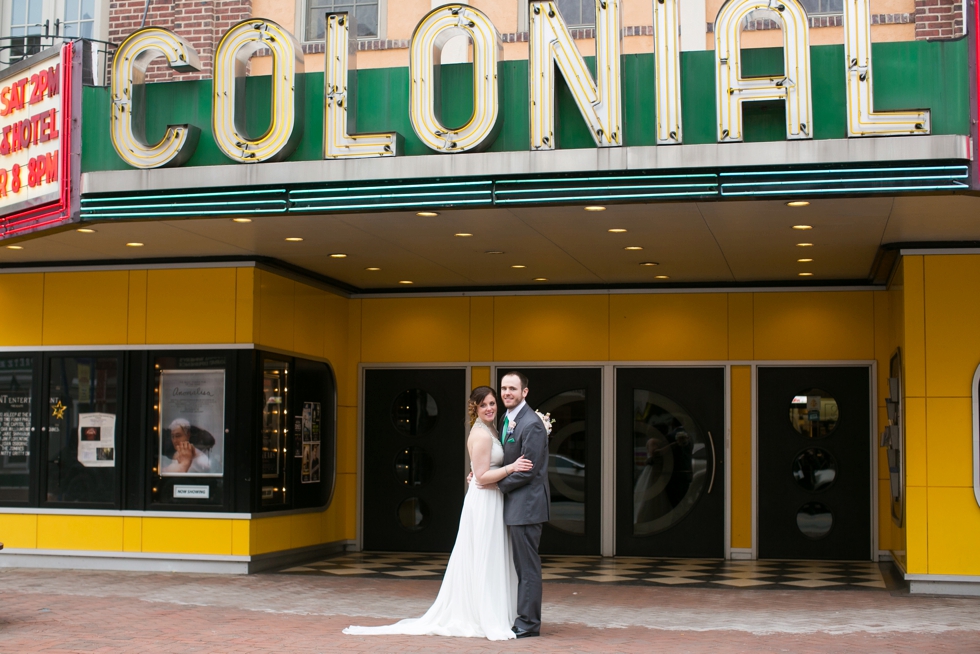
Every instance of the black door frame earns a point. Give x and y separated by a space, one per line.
872 366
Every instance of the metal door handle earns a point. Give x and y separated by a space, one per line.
714 462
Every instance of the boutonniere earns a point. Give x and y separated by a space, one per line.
511 427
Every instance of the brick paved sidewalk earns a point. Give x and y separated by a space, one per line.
56 611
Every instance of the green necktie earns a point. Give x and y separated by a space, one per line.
503 432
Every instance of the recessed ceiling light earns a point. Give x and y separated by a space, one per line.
495 251
802 227
463 234
373 269
595 208
427 214
338 255
517 265
293 239
649 263
633 247
662 277
14 247
805 274
617 230
405 281
134 244
804 260
798 203
540 279
85 230
241 220
804 245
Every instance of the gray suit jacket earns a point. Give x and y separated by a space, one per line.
527 495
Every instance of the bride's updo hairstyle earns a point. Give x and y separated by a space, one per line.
476 399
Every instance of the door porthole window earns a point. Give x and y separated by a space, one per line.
814 520
414 412
814 469
412 514
412 466
814 413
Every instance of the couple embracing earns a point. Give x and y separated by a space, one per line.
492 586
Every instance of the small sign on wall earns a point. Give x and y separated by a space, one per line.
192 492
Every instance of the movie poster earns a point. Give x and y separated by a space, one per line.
192 423
97 440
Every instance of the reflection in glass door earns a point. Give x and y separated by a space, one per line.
573 397
670 476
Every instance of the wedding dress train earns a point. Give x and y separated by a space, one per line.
478 597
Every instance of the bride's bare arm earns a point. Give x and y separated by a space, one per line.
480 448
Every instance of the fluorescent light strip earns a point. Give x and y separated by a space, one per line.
843 181
348 189
625 187
331 207
830 171
883 189
180 195
606 197
235 212
558 180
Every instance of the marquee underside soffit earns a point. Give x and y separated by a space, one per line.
694 242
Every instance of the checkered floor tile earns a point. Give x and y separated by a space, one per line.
692 573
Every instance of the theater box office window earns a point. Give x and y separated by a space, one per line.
236 431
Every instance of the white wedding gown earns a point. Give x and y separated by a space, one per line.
478 597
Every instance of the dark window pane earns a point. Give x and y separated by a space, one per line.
275 427
16 405
189 418
367 20
83 429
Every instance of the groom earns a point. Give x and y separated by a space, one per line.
527 498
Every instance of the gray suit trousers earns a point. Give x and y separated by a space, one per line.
525 540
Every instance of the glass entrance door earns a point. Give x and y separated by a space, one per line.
815 463
414 444
573 397
670 497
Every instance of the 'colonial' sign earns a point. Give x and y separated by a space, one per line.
598 97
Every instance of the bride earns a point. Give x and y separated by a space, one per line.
478 597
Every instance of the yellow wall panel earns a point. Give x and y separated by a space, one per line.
884 516
18 530
86 308
741 454
80 532
187 535
304 530
338 521
480 376
916 459
949 442
914 354
819 326
551 328
132 534
269 534
885 343
240 537
21 309
336 330
349 380
916 532
137 307
417 329
310 312
954 532
952 313
347 439
668 327
191 305
740 326
275 311
245 305
481 329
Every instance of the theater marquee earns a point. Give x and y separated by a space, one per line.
40 100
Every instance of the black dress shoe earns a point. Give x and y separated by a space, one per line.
522 633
